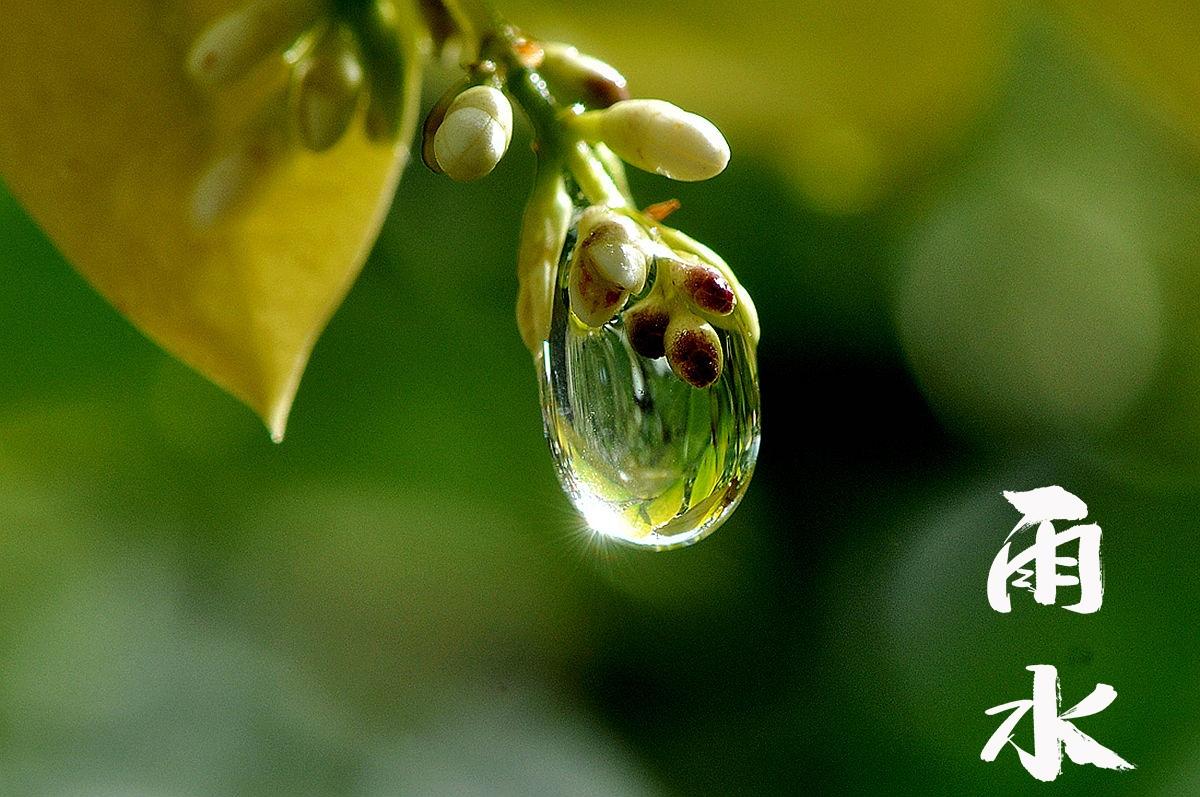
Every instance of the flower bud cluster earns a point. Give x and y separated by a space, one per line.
678 318
668 293
675 318
690 295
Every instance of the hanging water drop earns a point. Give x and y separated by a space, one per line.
645 457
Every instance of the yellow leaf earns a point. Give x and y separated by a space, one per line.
846 97
103 139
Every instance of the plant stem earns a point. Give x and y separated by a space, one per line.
592 178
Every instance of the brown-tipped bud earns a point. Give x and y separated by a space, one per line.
693 350
325 90
646 324
581 78
707 289
594 300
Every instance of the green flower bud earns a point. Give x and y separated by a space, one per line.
693 349
543 233
237 42
475 134
659 137
222 185
325 90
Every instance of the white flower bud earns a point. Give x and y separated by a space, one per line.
475 134
492 102
659 137
614 247
234 44
581 78
433 120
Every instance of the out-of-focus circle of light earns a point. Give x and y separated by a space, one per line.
1020 308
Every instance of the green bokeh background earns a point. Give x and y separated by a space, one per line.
398 600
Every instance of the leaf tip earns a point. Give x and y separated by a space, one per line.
276 419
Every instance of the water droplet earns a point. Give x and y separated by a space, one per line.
646 458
